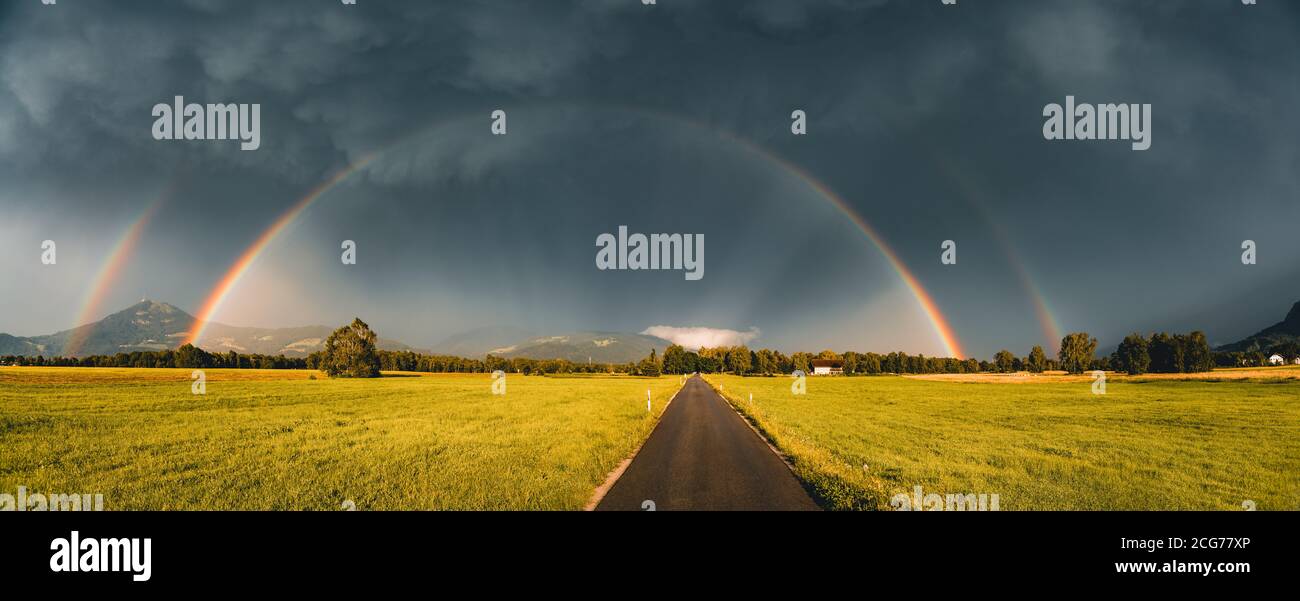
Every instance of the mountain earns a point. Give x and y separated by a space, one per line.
144 326
581 347
480 341
290 342
1287 330
15 345
153 326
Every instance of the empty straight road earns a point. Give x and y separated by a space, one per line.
703 456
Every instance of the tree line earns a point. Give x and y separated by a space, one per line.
1162 353
351 352
185 356
1136 355
742 360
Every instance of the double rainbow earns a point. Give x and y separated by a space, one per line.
943 330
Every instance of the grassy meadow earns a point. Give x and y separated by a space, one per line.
280 439
1039 442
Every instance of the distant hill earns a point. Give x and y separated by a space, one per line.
290 342
1287 330
16 345
581 347
153 326
480 341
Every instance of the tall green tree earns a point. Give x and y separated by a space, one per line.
350 352
1005 361
1180 353
1132 355
649 366
1037 360
1163 355
709 364
1076 352
692 361
870 363
738 360
801 361
675 360
1197 356
851 362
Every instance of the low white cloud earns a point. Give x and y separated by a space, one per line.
695 337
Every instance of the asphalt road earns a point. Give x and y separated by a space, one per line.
703 456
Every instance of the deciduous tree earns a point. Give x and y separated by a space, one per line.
1132 355
1037 360
1005 361
350 352
1076 352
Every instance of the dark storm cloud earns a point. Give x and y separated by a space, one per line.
925 118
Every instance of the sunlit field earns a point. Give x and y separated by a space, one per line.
1040 442
283 440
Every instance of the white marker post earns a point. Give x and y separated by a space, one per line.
751 398
647 400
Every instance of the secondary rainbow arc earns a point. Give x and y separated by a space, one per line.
947 336
972 193
110 271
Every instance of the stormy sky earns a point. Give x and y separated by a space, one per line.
926 119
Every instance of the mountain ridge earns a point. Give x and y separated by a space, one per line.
586 346
1287 330
154 326
482 340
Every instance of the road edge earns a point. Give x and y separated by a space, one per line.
763 437
598 495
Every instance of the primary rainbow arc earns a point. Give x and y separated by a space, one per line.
947 336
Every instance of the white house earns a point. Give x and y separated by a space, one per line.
1276 359
827 367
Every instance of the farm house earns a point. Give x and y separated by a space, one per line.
827 367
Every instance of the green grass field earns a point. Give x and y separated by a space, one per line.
1146 444
278 440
